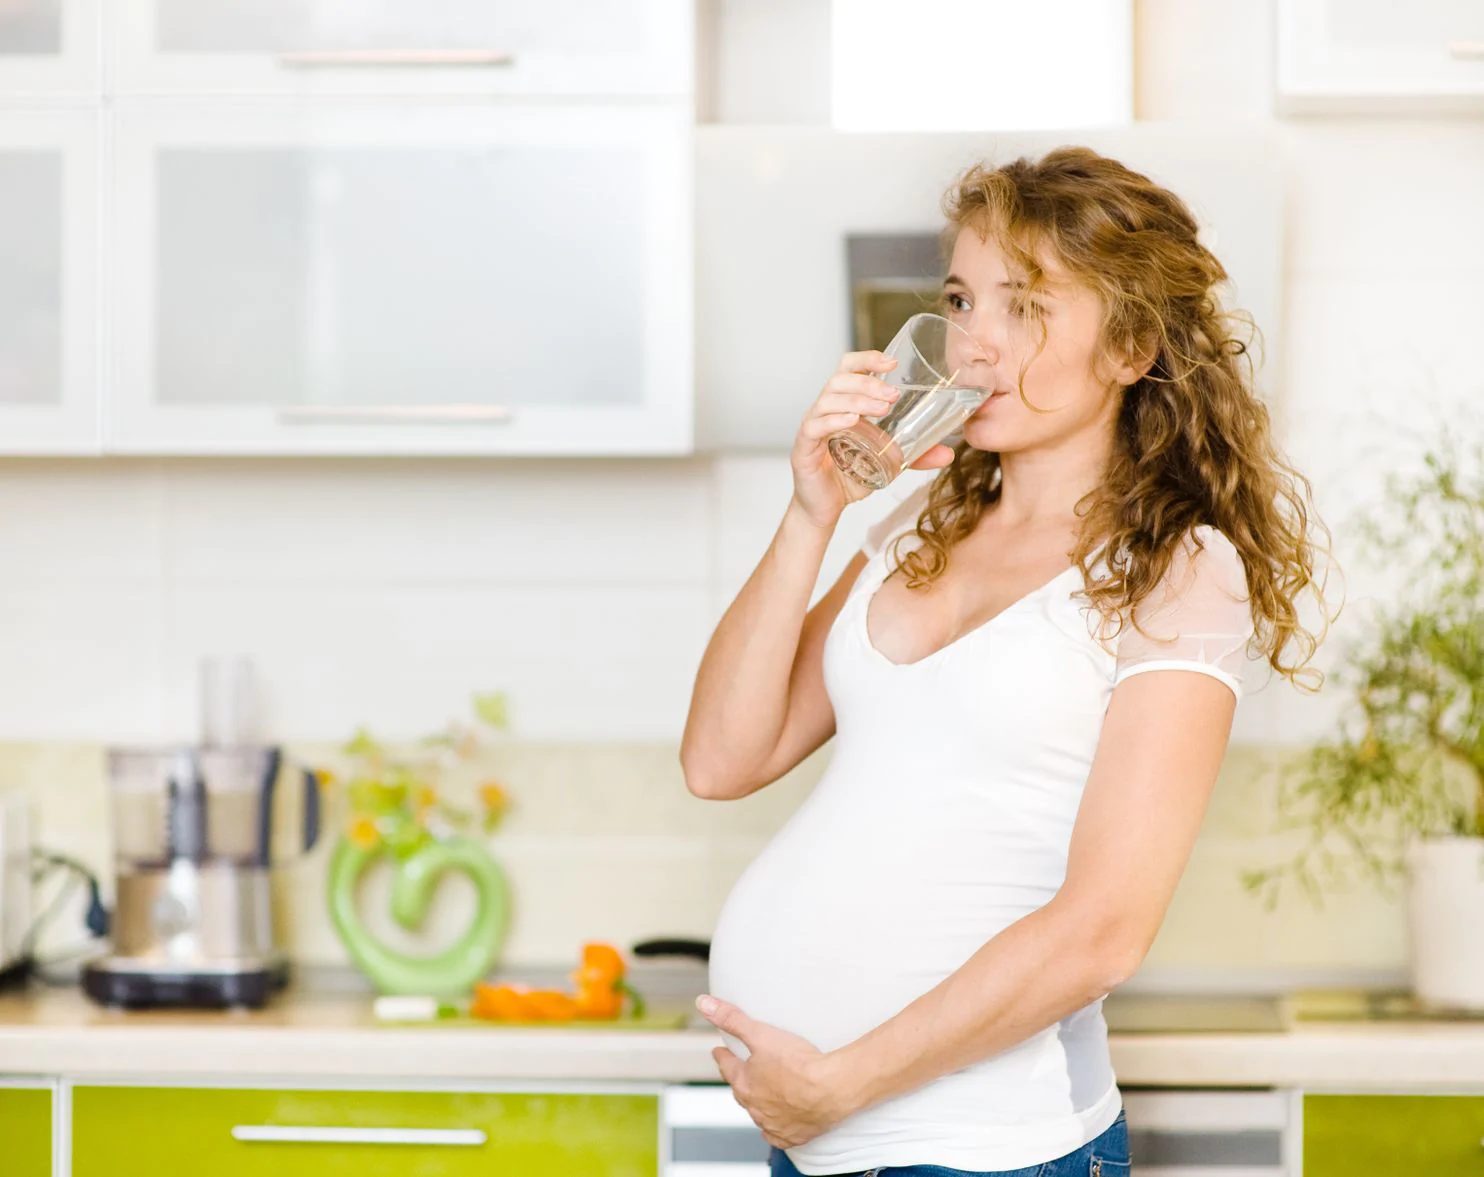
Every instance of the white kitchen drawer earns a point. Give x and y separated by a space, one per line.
519 47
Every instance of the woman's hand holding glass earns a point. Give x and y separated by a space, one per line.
855 391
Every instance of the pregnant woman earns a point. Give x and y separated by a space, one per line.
1031 670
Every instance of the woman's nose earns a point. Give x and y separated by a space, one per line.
984 331
986 351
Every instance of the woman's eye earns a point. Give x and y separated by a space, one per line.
956 302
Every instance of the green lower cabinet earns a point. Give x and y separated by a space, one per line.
147 1131
26 1131
1393 1135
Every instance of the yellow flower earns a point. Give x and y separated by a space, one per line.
426 797
493 797
363 833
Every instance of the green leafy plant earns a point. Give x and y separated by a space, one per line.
1408 760
397 799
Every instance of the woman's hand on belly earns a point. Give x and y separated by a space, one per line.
787 1085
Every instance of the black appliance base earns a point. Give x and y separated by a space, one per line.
131 989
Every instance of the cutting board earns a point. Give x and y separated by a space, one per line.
667 1019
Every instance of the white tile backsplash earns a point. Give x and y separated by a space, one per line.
578 523
610 662
81 658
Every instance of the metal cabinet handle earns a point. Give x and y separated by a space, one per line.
395 57
394 415
1467 50
293 1134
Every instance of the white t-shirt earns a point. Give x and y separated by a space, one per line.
945 816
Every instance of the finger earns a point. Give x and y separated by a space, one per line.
726 1062
935 459
866 361
853 402
855 382
726 1016
816 428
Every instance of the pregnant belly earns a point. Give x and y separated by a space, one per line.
835 928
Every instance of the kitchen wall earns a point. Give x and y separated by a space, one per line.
384 591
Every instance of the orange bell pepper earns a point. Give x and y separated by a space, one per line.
497 1002
551 1005
603 958
599 1002
600 984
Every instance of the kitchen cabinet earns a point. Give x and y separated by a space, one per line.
346 228
432 278
237 1132
49 47
1392 1135
1086 45
521 47
1374 55
48 281
26 1128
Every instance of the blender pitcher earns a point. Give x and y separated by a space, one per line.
194 830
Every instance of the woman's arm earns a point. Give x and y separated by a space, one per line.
755 682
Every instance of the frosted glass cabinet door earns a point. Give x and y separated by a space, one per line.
430 279
1370 53
49 47
48 290
392 46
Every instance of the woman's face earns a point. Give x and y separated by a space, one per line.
985 297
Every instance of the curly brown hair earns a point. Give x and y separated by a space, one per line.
1193 441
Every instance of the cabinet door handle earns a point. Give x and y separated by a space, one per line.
1467 50
295 1134
394 415
397 57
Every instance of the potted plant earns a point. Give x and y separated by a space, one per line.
1399 789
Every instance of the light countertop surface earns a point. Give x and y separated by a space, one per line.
60 1032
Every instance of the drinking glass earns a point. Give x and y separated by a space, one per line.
942 376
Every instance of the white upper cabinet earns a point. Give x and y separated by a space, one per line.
526 47
297 277
980 65
49 47
1375 54
48 285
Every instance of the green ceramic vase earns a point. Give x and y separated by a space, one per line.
450 972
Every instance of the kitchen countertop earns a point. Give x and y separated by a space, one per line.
60 1032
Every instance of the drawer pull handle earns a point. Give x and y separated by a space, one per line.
1467 50
294 1134
394 415
396 57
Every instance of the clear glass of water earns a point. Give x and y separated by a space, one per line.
942 376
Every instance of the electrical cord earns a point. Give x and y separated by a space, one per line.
45 865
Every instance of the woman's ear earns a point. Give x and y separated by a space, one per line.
1132 363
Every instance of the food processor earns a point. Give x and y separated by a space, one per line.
194 828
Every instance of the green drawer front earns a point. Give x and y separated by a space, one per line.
26 1130
1393 1135
148 1131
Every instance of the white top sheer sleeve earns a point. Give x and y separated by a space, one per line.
1198 618
903 517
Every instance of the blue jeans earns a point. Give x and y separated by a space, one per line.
1103 1156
